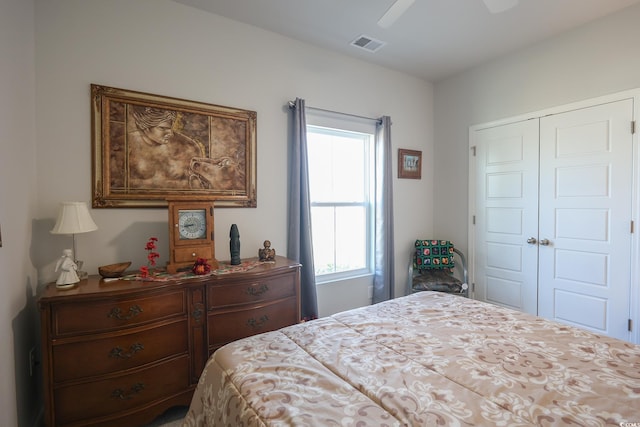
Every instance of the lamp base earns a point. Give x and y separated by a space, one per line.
67 285
81 274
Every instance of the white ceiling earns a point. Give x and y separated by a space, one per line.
432 40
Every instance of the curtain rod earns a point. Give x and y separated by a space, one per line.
292 104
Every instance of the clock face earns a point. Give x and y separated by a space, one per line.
192 224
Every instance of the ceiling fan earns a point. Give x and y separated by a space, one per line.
399 7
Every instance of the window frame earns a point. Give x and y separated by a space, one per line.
345 125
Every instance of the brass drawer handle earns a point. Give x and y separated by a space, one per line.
198 311
253 323
118 352
122 395
116 312
256 292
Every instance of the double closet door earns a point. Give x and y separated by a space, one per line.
553 206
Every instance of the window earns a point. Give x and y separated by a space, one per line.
340 184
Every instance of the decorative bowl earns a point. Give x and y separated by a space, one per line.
113 270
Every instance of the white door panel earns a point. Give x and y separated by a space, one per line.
573 182
585 213
506 215
592 314
592 226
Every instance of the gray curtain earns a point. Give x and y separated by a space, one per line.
300 244
383 280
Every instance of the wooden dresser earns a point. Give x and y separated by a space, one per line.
121 353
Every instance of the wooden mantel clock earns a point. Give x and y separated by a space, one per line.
191 234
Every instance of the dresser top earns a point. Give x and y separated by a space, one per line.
95 286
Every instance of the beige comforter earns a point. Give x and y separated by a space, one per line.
423 360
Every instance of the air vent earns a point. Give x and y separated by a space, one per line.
367 43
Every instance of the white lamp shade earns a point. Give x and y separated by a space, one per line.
73 218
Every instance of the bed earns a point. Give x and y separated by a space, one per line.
426 359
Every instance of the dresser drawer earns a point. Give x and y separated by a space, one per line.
104 315
88 400
230 325
243 292
116 353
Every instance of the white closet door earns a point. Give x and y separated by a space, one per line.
505 265
585 215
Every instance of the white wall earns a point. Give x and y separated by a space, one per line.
166 48
597 59
18 331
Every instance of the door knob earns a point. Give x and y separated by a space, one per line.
532 240
544 242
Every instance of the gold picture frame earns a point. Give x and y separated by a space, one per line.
147 148
409 164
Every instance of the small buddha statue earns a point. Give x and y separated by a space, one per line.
266 253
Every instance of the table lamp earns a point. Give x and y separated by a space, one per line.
74 218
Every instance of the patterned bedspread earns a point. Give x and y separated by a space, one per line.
427 359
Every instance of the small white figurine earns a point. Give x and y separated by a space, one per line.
68 276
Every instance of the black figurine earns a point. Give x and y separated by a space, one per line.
234 245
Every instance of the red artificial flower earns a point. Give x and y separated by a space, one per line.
201 267
151 256
144 272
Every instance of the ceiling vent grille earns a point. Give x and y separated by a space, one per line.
367 43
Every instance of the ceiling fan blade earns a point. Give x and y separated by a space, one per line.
497 6
394 12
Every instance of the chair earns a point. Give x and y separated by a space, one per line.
432 266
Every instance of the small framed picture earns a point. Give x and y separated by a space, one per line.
409 164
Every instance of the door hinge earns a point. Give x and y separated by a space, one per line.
473 219
630 325
473 150
473 286
632 228
633 127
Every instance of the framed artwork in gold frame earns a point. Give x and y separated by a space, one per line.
147 148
